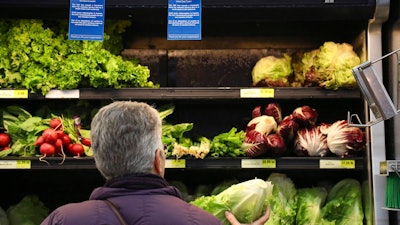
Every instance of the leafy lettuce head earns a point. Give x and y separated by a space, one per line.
309 204
245 200
304 70
283 201
335 62
344 203
272 71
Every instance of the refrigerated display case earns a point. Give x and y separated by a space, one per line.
205 81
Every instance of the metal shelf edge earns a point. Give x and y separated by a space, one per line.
171 93
287 163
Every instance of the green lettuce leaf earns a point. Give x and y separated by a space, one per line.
344 203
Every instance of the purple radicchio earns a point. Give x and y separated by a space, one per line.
310 142
344 140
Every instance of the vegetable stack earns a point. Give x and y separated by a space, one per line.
299 134
37 55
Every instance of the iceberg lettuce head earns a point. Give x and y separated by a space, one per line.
245 200
272 71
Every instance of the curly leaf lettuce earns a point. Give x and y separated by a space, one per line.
335 63
38 56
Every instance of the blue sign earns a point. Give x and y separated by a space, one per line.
86 20
184 20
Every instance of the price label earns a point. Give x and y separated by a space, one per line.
175 163
13 93
63 94
347 164
258 163
337 164
257 93
15 164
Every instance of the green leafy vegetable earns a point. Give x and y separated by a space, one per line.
37 55
223 185
246 200
23 129
330 66
228 144
344 203
29 211
309 204
3 217
272 71
367 201
283 202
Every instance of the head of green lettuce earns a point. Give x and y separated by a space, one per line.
272 71
246 200
330 66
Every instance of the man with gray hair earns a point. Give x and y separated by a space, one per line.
128 152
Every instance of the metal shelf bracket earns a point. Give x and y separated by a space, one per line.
374 93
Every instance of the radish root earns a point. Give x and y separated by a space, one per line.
41 159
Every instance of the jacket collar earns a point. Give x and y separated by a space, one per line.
138 184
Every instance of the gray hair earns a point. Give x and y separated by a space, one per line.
125 136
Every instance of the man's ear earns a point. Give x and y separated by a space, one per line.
159 162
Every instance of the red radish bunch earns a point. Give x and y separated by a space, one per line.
4 141
54 140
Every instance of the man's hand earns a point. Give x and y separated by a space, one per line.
261 221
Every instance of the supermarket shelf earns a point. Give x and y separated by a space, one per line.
256 9
173 93
287 163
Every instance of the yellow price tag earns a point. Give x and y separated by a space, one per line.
13 93
337 164
347 164
269 163
258 163
257 93
23 164
175 163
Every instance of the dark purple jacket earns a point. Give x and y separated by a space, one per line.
142 199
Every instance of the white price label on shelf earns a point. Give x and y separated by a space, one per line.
175 163
63 94
258 163
257 93
337 164
15 164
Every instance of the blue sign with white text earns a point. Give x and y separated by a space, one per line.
184 20
86 20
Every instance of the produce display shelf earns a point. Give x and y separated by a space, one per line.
173 93
286 163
